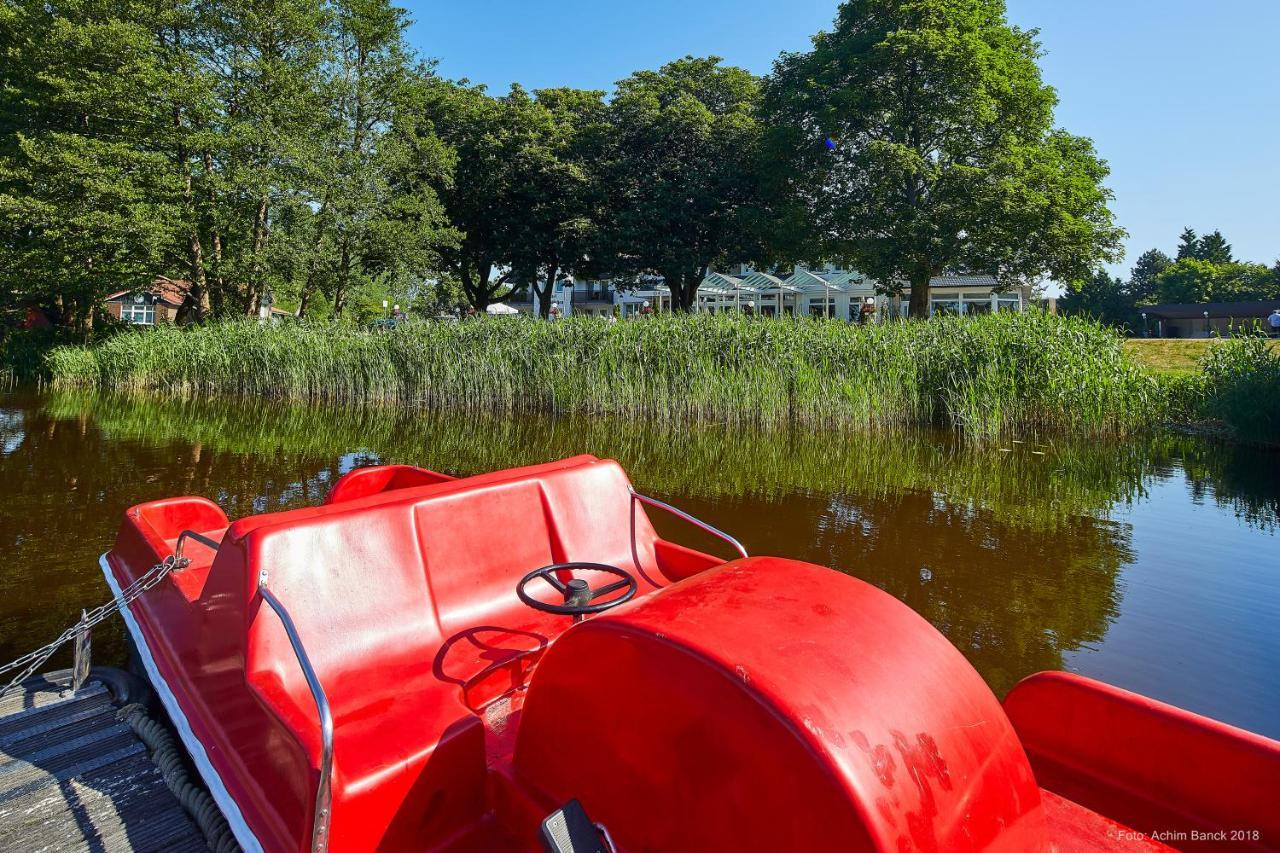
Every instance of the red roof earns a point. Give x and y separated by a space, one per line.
167 290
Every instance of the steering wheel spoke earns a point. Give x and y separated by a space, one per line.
608 588
579 598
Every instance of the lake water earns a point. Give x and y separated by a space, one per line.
1152 563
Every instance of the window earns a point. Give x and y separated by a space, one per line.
822 307
139 315
944 306
976 303
1009 302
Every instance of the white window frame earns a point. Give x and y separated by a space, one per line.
139 314
935 301
1009 301
823 306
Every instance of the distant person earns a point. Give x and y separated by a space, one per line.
554 313
1274 322
470 313
646 309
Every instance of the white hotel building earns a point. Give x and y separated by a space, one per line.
828 291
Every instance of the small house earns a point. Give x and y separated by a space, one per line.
147 306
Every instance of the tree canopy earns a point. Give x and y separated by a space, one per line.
680 173
302 149
918 138
242 149
1156 278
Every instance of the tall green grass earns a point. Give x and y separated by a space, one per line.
983 375
1238 384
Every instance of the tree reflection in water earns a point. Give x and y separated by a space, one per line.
1010 549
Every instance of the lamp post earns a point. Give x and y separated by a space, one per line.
1145 334
384 308
1206 324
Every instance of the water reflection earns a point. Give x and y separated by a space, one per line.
1018 553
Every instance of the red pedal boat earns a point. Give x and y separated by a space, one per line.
516 661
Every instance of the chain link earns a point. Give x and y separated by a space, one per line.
32 661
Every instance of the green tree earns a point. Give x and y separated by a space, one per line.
88 199
1214 248
369 223
555 198
1192 280
1188 244
917 137
265 137
493 141
1103 297
681 173
1142 278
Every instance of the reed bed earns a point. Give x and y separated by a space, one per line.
982 375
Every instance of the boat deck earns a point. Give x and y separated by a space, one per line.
74 776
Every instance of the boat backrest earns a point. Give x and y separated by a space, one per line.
384 581
379 479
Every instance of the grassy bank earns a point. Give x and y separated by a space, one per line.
984 375
1174 355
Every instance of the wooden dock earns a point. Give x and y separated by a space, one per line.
75 776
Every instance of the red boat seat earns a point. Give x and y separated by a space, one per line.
406 603
1147 764
363 482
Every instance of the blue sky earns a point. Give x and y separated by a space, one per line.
1181 98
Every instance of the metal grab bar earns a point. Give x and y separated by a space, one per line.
199 537
320 823
696 522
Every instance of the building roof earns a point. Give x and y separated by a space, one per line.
762 282
808 280
1193 310
170 291
963 281
720 281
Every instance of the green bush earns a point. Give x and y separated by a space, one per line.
23 351
1239 384
983 375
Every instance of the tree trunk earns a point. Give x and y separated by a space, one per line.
313 264
215 285
259 247
918 307
548 290
476 285
196 303
344 278
684 289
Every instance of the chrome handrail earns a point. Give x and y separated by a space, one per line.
696 522
320 823
199 537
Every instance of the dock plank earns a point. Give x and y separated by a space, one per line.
74 777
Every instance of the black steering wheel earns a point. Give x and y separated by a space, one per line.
579 598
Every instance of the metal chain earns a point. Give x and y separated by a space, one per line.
32 661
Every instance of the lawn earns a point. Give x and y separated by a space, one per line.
1172 355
